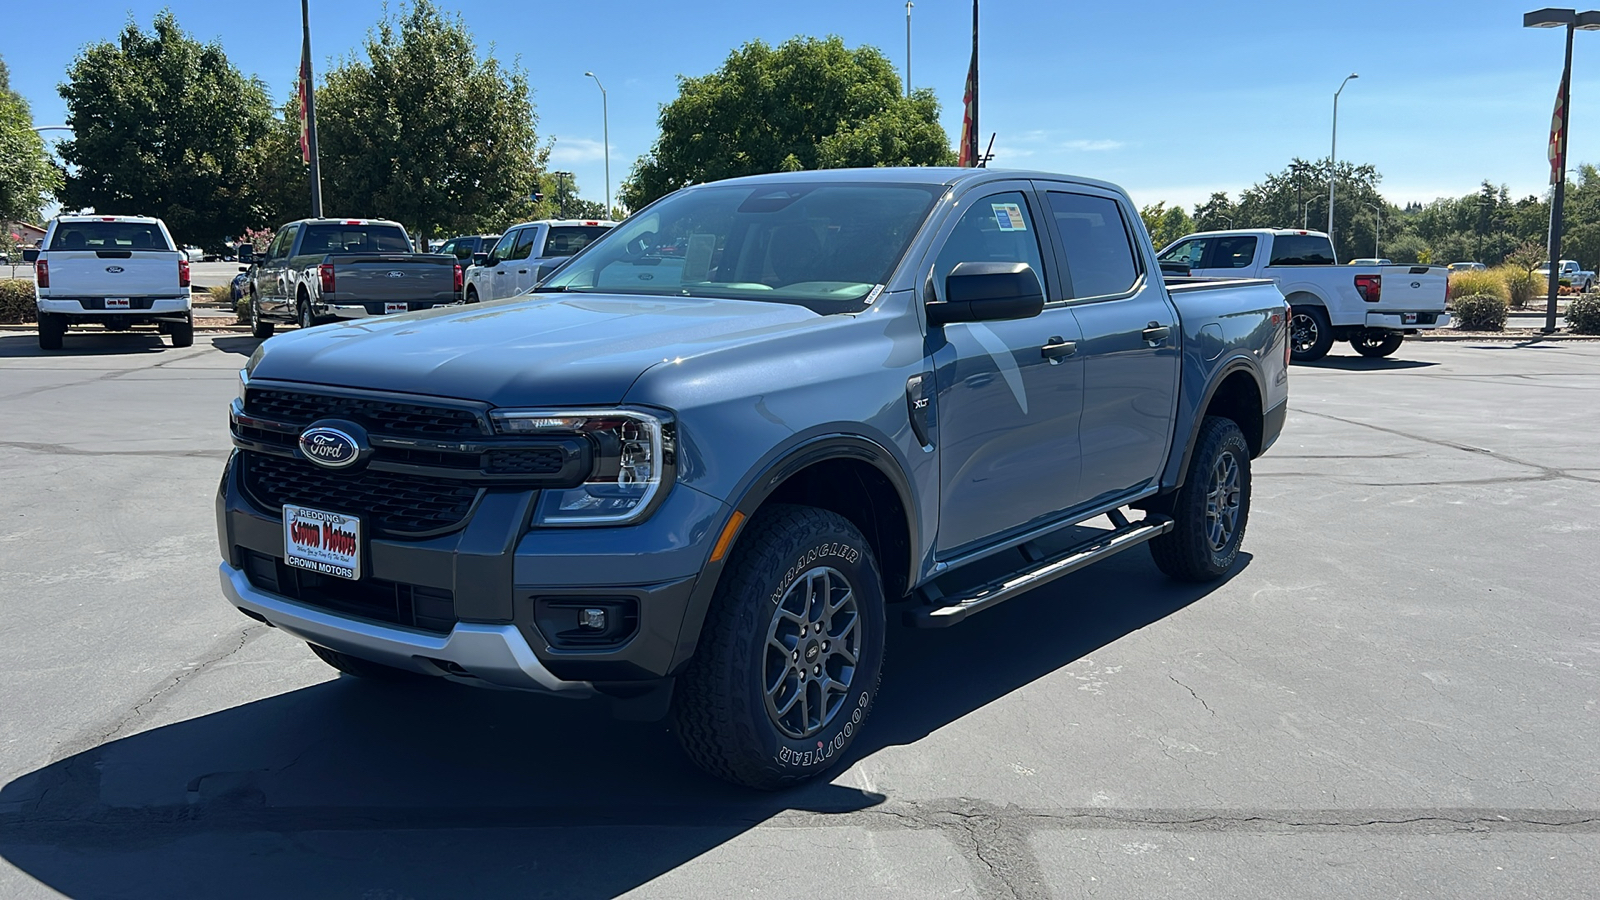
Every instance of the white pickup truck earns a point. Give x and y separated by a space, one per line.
115 271
1572 272
526 254
1373 307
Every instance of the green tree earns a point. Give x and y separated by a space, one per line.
162 125
27 176
426 132
1165 224
561 200
1217 212
809 103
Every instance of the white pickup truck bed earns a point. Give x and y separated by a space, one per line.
115 271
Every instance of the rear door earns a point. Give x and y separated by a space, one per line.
1129 344
1229 256
1009 392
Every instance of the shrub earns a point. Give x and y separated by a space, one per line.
1469 284
221 295
1522 286
16 301
1480 312
1583 314
241 311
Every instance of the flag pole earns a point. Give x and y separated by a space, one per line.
973 149
1558 176
308 112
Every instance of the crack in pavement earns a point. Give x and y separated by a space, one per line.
108 376
1193 694
64 450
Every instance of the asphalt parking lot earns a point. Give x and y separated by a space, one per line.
1396 694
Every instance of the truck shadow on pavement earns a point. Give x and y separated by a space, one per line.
86 343
360 790
1363 364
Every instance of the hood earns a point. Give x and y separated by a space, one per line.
558 349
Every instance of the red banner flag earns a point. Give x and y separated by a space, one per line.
304 86
969 102
1558 133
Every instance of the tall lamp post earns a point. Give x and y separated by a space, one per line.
909 4
1573 21
1333 152
605 125
1377 234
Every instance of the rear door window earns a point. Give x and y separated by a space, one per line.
1301 250
524 247
109 236
1235 252
1094 236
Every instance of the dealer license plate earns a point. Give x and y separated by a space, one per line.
324 542
117 303
1408 318
392 308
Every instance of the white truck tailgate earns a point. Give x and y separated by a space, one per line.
113 273
1411 289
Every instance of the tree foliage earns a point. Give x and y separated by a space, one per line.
162 126
809 103
1165 224
27 176
561 201
424 131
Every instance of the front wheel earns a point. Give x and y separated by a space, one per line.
788 663
1210 510
1310 333
472 295
1377 344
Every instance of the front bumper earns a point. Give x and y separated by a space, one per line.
489 587
498 654
1408 321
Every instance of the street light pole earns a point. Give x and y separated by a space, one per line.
1377 235
1333 152
1573 21
908 48
605 125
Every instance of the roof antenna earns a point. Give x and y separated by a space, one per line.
988 153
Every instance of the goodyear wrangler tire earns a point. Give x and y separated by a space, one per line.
789 659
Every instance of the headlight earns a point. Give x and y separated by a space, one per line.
634 455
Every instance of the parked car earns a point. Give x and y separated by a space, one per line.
1571 272
1466 267
698 469
318 270
239 288
194 254
1372 306
467 246
526 254
115 271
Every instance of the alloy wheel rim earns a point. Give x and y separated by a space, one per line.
1223 496
812 649
1303 332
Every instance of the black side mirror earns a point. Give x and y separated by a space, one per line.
479 259
988 291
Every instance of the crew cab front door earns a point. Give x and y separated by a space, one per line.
1129 346
1009 392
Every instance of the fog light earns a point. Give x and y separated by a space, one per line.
592 619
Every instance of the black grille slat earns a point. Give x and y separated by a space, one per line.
527 461
391 502
379 416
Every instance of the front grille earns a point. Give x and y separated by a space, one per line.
527 461
391 502
412 605
378 416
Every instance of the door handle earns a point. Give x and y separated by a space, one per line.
1058 348
522 271
1155 334
498 274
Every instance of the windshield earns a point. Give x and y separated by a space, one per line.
819 245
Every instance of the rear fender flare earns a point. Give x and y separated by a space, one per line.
1238 362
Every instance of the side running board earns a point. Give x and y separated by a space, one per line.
952 609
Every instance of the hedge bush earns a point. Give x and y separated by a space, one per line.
241 311
1480 312
1522 286
1485 282
16 301
221 295
1583 314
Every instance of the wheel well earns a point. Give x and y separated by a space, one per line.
1238 398
1301 298
859 492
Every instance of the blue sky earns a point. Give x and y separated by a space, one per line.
1171 100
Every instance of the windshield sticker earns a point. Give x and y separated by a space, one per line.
1009 216
697 261
873 294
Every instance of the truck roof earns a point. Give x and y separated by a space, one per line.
147 220
328 220
1266 231
950 176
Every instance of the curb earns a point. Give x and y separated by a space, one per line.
1522 337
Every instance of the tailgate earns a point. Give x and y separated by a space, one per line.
400 278
113 273
1411 289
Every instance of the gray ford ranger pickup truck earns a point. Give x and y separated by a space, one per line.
697 469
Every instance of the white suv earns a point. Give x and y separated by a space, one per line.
526 254
115 271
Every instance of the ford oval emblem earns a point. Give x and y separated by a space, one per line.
1416 284
397 274
330 447
115 270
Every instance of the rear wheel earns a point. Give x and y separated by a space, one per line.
1210 511
52 328
1310 333
308 318
183 333
1376 344
363 668
259 327
789 660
